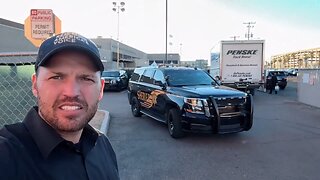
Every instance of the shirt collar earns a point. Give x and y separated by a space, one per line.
46 138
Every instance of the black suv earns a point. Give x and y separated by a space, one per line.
115 79
188 99
281 78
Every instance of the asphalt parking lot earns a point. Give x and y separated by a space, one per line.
283 143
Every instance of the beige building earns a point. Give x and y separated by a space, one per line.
303 59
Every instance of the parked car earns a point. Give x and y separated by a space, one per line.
281 78
188 99
293 72
115 79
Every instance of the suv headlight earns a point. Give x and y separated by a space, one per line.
196 105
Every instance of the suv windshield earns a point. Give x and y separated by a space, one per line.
110 74
278 73
188 77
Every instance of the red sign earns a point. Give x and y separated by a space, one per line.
42 23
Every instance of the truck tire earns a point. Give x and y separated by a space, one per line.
174 123
135 107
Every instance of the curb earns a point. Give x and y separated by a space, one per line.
105 122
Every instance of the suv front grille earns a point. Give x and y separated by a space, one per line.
227 106
227 109
230 101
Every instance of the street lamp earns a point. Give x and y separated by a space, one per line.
166 58
118 7
170 43
180 53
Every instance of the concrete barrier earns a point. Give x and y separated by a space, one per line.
308 86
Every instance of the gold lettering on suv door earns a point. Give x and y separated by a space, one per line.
149 100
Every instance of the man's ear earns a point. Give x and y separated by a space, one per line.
34 85
101 89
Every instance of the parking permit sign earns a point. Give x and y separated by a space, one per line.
42 23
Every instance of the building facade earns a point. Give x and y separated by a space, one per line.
15 47
129 56
199 63
303 59
160 59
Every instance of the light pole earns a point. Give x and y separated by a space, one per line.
166 58
180 53
170 43
117 7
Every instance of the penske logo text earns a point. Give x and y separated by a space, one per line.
242 52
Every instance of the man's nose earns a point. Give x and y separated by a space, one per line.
71 88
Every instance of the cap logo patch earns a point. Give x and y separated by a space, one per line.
69 37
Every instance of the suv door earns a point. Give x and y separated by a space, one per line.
144 92
159 95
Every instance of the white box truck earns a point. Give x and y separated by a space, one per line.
239 64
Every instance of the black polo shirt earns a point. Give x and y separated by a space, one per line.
34 150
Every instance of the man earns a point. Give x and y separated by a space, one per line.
273 83
54 141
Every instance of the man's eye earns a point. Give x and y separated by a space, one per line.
87 79
56 77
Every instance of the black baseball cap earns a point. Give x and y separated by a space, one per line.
68 41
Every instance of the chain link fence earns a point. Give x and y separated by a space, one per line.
16 97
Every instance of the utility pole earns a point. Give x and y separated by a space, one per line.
249 25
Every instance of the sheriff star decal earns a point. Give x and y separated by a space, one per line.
149 100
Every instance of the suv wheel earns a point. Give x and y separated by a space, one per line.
135 107
174 123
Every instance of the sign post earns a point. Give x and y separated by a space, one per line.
40 25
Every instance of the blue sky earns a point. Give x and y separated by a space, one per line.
287 11
286 25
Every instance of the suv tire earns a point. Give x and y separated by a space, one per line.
174 123
135 107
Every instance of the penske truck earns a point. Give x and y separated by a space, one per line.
238 64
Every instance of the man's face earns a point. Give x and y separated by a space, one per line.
68 90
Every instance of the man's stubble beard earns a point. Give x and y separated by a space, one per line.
74 124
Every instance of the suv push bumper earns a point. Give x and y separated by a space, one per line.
220 125
243 85
220 122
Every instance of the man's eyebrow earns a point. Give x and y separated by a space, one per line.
87 75
57 73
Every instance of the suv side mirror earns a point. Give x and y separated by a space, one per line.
216 82
164 86
166 78
161 84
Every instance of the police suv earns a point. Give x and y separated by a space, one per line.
188 99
